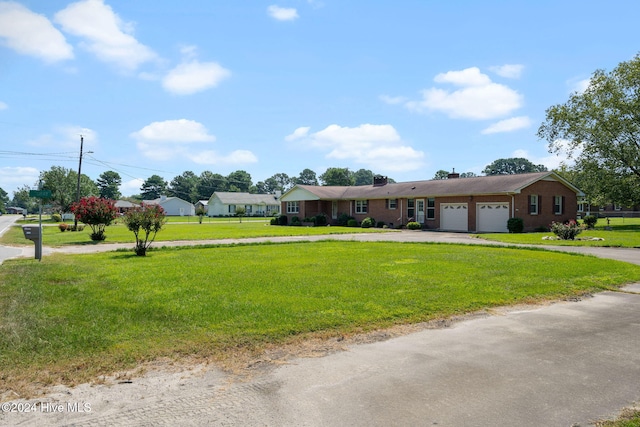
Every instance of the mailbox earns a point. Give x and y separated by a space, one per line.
34 233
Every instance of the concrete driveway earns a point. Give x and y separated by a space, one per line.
564 364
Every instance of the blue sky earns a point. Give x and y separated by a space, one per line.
402 88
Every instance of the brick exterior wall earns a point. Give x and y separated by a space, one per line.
545 190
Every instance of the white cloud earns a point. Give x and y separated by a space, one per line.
282 13
131 187
3 105
510 71
377 146
579 86
29 33
67 137
182 131
508 125
301 132
105 34
191 77
392 100
170 139
236 157
478 97
552 161
13 177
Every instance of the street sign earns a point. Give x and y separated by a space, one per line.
40 194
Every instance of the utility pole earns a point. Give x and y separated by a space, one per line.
75 218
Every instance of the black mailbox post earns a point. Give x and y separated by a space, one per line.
34 233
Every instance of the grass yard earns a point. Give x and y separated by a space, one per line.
223 229
70 319
624 232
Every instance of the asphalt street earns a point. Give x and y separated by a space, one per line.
565 364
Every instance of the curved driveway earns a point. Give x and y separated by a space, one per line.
564 364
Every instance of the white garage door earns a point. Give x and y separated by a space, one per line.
493 217
454 216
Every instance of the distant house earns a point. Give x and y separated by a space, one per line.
16 210
480 204
204 204
124 205
224 204
173 206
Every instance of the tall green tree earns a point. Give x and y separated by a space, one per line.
239 181
4 199
306 177
363 177
600 128
22 199
63 184
511 166
208 183
109 185
441 174
154 187
337 176
184 186
278 182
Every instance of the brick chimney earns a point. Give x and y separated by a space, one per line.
379 181
453 174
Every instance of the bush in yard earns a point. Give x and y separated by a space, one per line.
515 225
566 231
352 223
283 220
343 219
295 221
320 220
148 220
56 217
380 224
97 213
414 225
63 226
590 221
368 223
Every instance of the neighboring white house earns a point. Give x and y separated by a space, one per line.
173 206
224 204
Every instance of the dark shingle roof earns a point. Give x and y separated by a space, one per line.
483 185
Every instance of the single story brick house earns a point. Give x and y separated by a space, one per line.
480 204
224 203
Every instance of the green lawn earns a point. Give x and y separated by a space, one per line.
623 232
71 318
220 229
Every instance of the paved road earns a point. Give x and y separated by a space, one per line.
564 364
7 252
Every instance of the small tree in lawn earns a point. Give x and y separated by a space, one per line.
200 212
240 212
97 213
148 220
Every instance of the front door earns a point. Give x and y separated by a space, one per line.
334 209
420 211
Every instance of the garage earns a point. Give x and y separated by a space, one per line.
492 217
454 216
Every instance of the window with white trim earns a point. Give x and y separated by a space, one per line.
533 204
557 205
392 203
361 206
293 207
